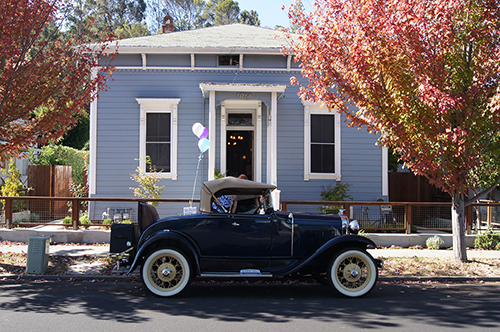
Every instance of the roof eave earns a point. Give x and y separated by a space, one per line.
179 50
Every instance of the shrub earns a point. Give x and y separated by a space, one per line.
148 183
85 221
363 233
337 193
67 221
107 221
434 242
12 181
488 240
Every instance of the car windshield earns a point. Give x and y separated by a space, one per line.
226 191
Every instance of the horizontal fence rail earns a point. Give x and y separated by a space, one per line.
406 217
30 211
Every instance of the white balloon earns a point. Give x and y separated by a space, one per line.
198 129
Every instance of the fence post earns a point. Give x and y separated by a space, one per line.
347 208
490 215
408 220
283 206
75 213
468 218
8 212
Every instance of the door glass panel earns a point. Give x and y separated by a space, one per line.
239 153
237 119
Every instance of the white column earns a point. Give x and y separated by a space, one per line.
93 143
274 139
211 135
258 145
223 139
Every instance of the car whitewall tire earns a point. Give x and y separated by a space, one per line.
166 272
353 273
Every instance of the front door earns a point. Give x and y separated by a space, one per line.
239 153
241 139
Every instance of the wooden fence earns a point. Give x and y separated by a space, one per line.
406 217
50 181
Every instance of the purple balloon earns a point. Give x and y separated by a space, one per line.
204 134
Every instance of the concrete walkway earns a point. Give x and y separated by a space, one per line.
90 270
103 251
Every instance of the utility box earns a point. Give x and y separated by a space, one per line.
38 255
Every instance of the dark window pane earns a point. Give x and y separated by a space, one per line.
322 158
160 156
158 127
239 120
229 60
322 128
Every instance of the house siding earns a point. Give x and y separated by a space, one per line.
118 117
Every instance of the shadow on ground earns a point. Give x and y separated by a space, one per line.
451 306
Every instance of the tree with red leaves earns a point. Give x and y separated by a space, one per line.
45 81
424 74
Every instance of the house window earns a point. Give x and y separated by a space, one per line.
229 60
158 141
158 136
321 143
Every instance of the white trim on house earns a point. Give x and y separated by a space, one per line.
159 105
236 87
253 107
272 144
211 135
312 108
92 178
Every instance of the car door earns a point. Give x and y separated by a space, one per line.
251 238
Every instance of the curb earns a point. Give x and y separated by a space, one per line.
67 277
133 278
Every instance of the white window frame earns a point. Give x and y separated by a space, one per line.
159 105
316 109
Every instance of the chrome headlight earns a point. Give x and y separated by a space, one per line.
354 227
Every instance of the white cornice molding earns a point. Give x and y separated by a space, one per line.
230 87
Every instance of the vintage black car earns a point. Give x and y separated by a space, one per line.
246 238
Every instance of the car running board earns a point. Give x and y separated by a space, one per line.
250 273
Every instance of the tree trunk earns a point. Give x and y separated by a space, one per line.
458 227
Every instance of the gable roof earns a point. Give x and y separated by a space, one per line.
232 38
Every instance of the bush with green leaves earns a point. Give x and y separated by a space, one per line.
435 242
107 221
85 221
488 240
67 221
12 181
336 194
148 183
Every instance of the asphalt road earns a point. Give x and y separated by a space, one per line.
127 306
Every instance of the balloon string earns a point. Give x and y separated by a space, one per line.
195 178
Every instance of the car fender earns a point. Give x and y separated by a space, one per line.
161 236
343 241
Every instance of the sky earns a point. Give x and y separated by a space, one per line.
270 13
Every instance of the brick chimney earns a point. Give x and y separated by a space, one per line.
168 24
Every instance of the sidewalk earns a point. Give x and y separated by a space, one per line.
90 270
103 251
